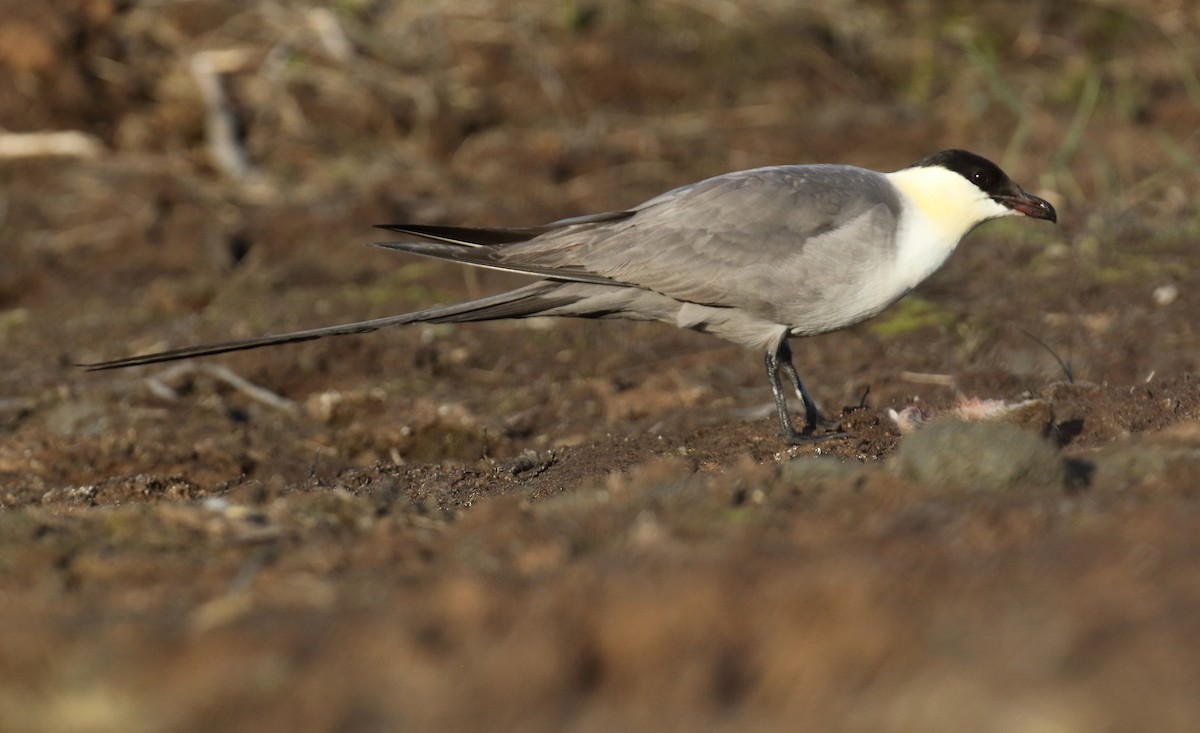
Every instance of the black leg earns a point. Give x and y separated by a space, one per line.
812 416
781 407
782 357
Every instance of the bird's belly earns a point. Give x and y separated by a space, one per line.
831 306
837 314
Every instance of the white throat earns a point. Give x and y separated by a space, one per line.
939 208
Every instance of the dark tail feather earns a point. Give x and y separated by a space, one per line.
466 236
490 236
527 301
480 257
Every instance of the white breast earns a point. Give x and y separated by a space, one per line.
922 246
940 208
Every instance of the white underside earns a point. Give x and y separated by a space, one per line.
940 208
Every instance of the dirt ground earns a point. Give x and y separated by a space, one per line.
587 526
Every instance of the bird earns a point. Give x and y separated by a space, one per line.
755 257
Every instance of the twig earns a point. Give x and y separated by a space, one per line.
220 122
1062 364
70 143
329 32
159 386
940 380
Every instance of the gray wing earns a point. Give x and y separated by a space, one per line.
751 239
772 241
483 247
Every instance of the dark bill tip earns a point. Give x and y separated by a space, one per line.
1030 205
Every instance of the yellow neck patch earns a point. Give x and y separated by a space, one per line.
950 203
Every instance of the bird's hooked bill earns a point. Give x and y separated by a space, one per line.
1030 205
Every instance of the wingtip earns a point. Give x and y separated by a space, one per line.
103 366
98 366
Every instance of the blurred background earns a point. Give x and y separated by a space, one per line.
176 172
588 526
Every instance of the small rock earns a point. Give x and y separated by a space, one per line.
1165 295
981 456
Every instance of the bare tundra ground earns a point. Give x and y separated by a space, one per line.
583 526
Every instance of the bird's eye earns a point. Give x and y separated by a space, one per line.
981 178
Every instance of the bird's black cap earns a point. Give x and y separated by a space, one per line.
988 177
975 168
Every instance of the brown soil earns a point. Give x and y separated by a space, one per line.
557 525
